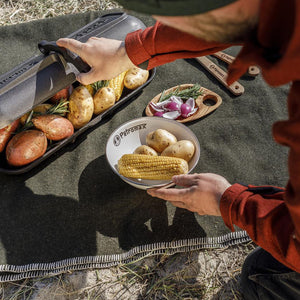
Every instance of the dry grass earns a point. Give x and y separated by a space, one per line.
209 275
14 11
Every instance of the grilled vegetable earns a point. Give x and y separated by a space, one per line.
25 147
81 107
117 84
135 77
103 99
6 133
62 94
151 167
55 127
160 139
183 149
144 149
41 108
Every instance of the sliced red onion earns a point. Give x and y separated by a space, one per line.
192 111
156 108
171 115
172 106
176 99
190 102
159 114
185 109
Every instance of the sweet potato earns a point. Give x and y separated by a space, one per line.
62 94
6 133
41 108
55 127
25 147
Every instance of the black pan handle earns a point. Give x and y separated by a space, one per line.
46 47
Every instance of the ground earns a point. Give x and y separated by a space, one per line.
206 274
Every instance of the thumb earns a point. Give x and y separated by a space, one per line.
87 78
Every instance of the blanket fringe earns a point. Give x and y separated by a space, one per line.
10 273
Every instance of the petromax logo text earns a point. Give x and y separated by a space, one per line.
122 134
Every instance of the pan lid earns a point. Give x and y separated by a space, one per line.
39 78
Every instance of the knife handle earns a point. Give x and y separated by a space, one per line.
236 88
46 47
252 70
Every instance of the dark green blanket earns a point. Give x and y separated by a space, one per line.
73 210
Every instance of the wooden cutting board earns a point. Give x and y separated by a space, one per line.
206 103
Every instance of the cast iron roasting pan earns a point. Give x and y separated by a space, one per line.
39 78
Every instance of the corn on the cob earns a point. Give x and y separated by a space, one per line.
151 167
117 84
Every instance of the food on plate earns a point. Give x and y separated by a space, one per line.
104 98
182 149
117 84
41 108
7 132
160 139
25 147
144 149
177 103
151 167
55 127
81 107
62 94
135 77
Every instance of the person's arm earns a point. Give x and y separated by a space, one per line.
161 44
157 45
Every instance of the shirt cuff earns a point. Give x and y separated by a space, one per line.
227 202
135 49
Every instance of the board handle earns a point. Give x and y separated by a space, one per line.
252 70
236 88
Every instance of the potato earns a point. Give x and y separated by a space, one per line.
182 149
7 132
55 127
104 99
160 139
41 108
135 77
62 94
25 147
81 107
144 149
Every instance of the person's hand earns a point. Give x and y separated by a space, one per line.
106 57
201 193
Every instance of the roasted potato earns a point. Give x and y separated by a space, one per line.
62 94
25 147
160 139
144 149
103 99
55 127
7 132
81 107
182 149
135 77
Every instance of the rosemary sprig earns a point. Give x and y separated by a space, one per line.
192 92
99 84
60 108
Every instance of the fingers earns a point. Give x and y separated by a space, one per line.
168 194
186 180
71 44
